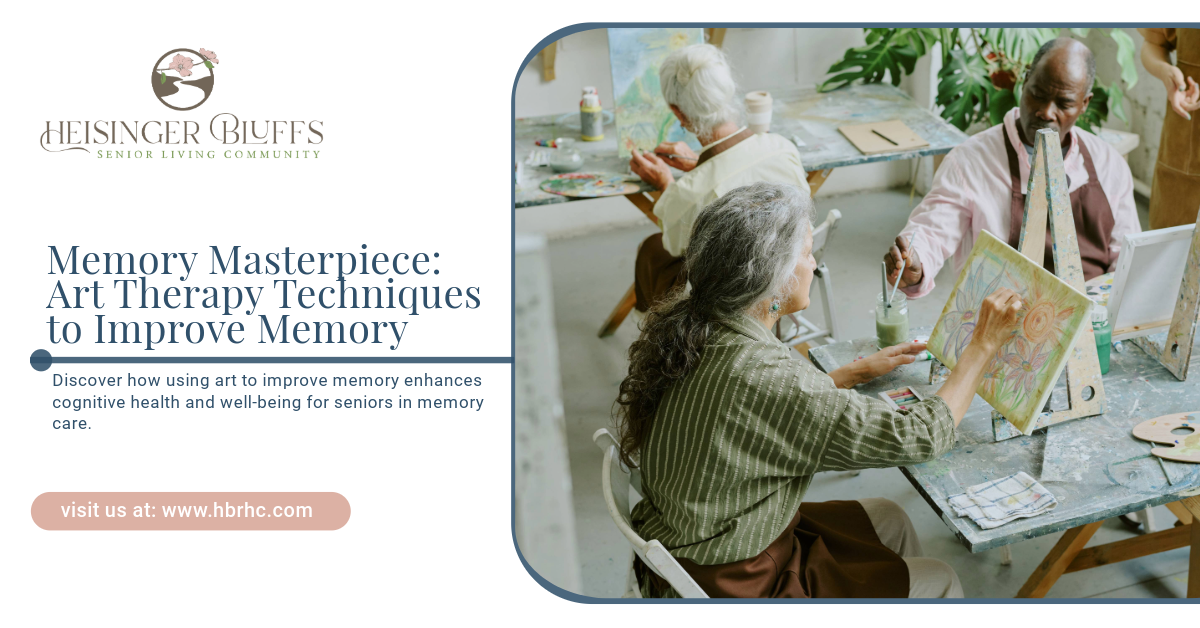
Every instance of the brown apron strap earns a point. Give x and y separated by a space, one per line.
724 146
1089 207
1094 220
1017 204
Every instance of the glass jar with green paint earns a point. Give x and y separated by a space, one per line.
1103 336
891 323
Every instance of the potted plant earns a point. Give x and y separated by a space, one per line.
982 69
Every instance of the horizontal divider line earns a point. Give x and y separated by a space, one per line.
282 360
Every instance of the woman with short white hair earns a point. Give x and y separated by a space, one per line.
697 83
729 430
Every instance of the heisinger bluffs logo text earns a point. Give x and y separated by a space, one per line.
183 79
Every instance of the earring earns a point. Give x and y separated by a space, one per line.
775 305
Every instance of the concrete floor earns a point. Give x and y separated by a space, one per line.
591 272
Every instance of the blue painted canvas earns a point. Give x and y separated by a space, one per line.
643 118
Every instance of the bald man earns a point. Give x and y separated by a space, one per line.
981 183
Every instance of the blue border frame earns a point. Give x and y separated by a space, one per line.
583 599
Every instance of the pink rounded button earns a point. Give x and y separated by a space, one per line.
190 511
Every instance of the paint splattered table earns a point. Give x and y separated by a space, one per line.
598 157
808 118
1108 472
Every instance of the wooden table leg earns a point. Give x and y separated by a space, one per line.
816 179
644 203
1056 562
1192 504
619 313
1179 511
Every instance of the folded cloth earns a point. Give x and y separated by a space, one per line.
995 503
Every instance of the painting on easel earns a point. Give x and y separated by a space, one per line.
1024 371
643 118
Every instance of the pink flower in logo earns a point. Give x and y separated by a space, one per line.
182 64
210 55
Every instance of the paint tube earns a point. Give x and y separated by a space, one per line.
591 117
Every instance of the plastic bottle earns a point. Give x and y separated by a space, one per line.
591 118
1103 336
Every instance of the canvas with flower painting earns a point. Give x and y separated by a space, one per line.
1023 372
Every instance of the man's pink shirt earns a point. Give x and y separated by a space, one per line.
972 190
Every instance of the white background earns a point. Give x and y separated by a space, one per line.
415 101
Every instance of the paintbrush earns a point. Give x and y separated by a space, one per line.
887 303
903 261
890 140
674 156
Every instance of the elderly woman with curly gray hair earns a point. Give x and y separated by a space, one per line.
698 84
728 430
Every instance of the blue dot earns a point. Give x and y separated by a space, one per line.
40 360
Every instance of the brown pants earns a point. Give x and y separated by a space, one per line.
655 273
927 577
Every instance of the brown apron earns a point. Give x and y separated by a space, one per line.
1175 193
829 550
1092 214
656 272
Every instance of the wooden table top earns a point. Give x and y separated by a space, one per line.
1108 471
808 118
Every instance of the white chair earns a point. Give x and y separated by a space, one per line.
801 329
617 480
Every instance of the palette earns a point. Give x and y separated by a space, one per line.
589 185
1099 288
1181 447
901 398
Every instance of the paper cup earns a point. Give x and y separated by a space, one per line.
758 111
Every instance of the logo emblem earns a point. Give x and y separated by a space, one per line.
183 78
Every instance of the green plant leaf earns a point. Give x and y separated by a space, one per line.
1081 32
870 64
1116 98
208 64
963 87
1125 56
1000 102
1019 44
162 78
1096 113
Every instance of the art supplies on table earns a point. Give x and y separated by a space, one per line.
758 111
1180 432
1099 288
995 503
643 118
1173 350
882 137
537 158
1146 283
901 398
591 118
891 319
1021 375
589 185
565 158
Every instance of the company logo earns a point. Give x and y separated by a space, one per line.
183 78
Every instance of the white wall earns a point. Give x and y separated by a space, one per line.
1145 104
762 58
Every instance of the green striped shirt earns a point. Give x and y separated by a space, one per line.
735 443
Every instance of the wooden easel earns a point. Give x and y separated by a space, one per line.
1176 351
1049 199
